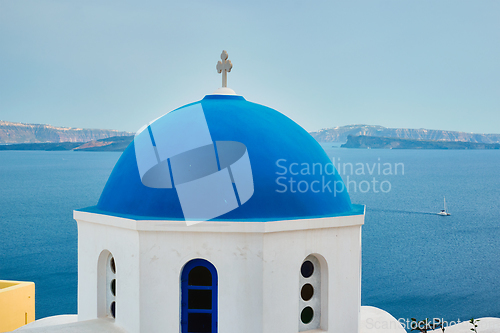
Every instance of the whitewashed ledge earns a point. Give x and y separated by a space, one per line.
375 320
50 321
372 320
485 325
70 324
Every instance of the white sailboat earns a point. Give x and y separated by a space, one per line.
444 212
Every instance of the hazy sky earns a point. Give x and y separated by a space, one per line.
119 64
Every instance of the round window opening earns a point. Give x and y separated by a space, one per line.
112 265
113 309
113 287
307 292
307 315
307 269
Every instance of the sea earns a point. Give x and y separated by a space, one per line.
415 264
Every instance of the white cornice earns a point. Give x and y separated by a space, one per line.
220 226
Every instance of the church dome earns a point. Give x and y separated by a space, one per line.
224 158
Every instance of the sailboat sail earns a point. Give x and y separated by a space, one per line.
444 212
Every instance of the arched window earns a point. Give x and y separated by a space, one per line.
106 285
199 297
310 304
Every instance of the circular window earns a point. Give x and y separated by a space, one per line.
306 292
113 287
113 306
307 315
307 269
112 265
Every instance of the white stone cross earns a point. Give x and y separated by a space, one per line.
224 67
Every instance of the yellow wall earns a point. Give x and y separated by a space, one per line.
17 304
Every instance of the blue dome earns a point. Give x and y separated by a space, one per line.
235 159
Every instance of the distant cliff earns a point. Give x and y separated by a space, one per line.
363 141
37 133
115 143
340 133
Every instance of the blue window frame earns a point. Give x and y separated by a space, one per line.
199 297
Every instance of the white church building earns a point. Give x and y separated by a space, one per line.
211 222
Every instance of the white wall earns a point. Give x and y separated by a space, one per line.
124 246
258 270
283 255
237 258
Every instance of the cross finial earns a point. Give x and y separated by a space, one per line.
224 67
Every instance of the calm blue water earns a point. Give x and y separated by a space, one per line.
415 263
38 236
